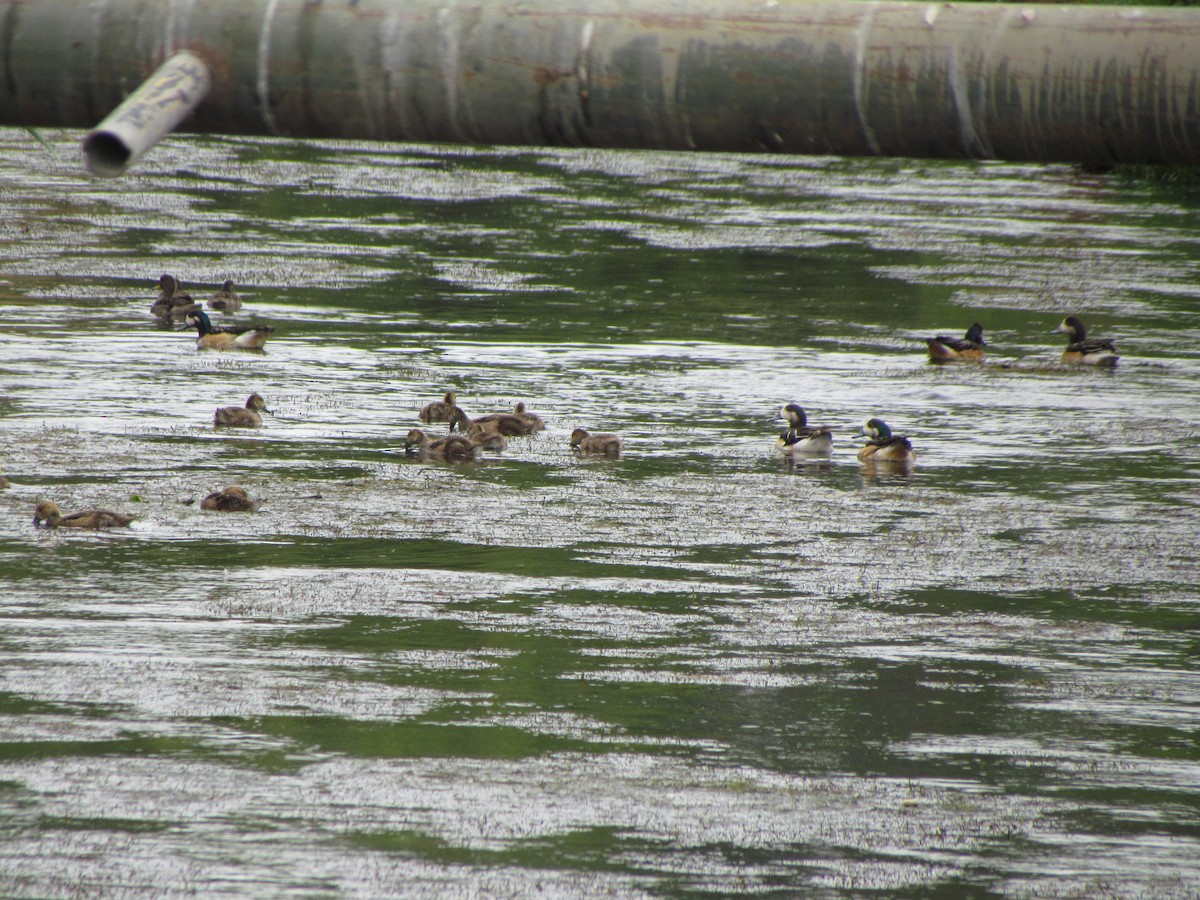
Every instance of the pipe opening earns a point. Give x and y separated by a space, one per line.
106 154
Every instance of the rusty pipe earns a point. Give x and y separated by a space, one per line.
1091 84
154 109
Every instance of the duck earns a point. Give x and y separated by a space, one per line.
226 299
507 424
211 338
452 448
489 440
173 303
232 499
48 513
606 444
242 416
801 438
943 349
443 410
532 420
1082 349
882 445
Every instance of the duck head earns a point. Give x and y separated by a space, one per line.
875 430
258 404
47 512
794 415
199 320
1073 328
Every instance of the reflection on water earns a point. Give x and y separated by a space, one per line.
693 669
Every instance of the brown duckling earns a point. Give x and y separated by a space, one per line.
242 416
507 424
48 514
453 448
442 410
606 444
232 499
226 299
532 420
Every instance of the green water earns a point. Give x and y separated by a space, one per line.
691 671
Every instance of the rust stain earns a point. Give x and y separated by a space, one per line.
545 75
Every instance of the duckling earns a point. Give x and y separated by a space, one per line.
453 448
1082 349
944 349
232 499
173 303
606 444
507 424
532 420
210 338
48 512
226 299
443 410
243 417
489 440
882 445
802 439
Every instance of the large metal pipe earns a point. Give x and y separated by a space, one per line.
1054 83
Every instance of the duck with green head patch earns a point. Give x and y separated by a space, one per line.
802 439
969 348
242 416
884 446
1082 349
209 337
49 515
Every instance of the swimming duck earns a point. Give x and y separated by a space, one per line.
802 438
211 338
48 513
232 499
947 349
242 416
507 424
173 304
1082 349
453 448
488 440
226 299
883 445
532 420
607 444
443 410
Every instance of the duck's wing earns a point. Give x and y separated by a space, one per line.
1093 345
